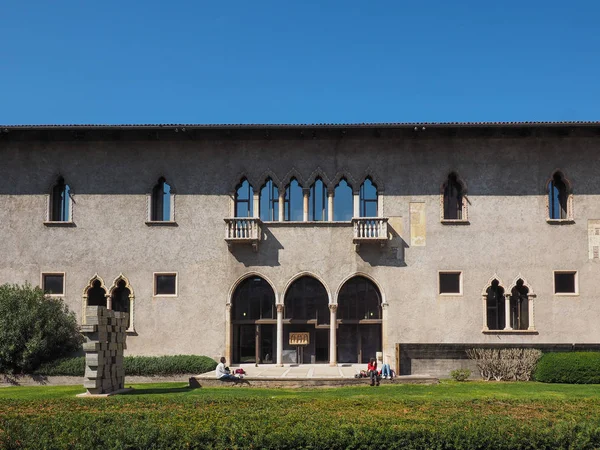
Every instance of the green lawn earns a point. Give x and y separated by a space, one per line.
448 415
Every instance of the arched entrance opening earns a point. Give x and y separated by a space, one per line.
306 311
359 314
254 320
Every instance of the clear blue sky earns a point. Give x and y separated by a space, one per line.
74 61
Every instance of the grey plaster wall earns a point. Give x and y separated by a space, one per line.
508 234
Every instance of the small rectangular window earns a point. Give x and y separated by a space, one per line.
565 282
165 284
53 283
450 283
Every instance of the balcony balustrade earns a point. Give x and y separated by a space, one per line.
243 230
369 230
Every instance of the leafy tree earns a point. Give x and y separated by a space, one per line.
34 328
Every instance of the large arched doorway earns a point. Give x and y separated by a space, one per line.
254 320
359 314
306 311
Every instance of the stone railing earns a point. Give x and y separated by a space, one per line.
243 230
370 229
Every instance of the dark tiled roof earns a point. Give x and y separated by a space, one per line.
308 125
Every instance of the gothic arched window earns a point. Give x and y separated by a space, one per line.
244 199
60 202
269 202
161 202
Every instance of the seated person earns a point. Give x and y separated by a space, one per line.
372 370
386 371
223 372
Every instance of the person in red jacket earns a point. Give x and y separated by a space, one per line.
372 371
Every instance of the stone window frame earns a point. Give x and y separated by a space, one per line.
565 294
42 274
570 219
155 295
48 222
451 294
86 289
465 202
171 222
115 284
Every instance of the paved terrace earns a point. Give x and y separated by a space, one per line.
269 375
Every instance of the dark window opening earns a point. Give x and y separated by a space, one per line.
294 202
96 294
453 198
161 202
165 284
519 307
343 202
368 199
306 299
564 283
496 311
449 282
269 202
60 202
244 200
359 299
53 283
253 299
120 299
557 197
317 201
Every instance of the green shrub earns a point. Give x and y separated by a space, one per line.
136 365
570 367
460 374
34 328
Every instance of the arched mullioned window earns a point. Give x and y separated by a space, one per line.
269 201
368 199
160 205
244 199
343 203
559 198
519 306
60 202
453 201
495 308
122 298
359 299
293 202
317 201
306 299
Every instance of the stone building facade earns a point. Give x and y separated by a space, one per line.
410 234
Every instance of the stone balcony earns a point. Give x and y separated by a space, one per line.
370 230
243 230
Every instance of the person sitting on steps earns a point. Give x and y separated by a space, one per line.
224 374
372 371
386 370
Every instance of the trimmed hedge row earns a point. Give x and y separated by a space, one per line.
569 367
135 365
271 425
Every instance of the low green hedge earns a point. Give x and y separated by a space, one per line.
571 367
135 365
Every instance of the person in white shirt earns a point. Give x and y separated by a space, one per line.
223 373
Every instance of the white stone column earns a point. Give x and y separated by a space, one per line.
530 300
228 333
256 205
305 195
384 330
484 309
281 205
279 335
333 335
330 206
108 302
356 210
507 312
